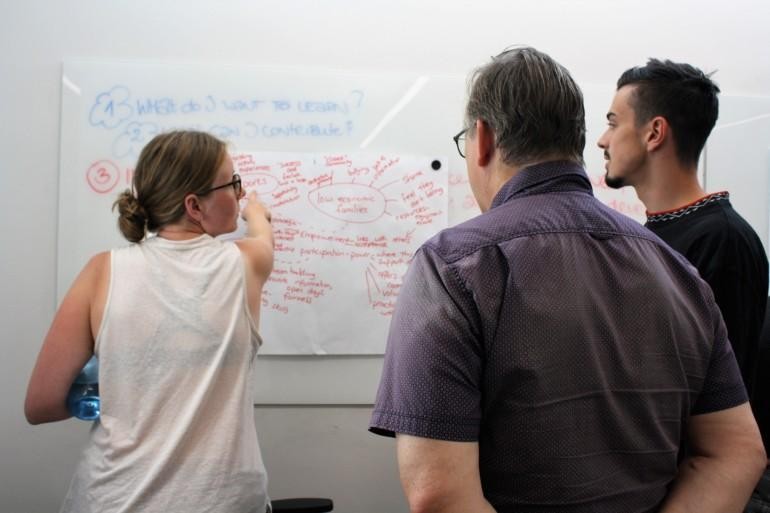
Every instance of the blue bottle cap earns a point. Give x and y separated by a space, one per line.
90 372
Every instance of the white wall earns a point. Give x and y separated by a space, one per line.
309 450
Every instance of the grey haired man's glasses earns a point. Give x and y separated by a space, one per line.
460 137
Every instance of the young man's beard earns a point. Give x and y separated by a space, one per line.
614 182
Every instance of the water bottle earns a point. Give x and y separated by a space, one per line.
83 397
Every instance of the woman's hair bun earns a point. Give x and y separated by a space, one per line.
132 220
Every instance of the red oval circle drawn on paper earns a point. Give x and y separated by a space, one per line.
349 202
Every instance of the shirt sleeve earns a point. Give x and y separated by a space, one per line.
431 380
723 386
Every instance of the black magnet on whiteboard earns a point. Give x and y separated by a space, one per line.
436 165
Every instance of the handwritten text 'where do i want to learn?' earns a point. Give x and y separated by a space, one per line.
136 119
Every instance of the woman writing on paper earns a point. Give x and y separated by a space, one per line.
173 321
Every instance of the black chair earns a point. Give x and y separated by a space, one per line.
311 505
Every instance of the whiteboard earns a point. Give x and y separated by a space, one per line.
111 109
337 272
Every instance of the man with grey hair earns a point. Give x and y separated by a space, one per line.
551 354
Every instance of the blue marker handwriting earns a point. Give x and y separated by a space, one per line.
118 105
111 108
138 118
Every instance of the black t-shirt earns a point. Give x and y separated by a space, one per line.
761 399
729 256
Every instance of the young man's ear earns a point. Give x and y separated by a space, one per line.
485 143
192 207
658 131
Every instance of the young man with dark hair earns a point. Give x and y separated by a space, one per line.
659 121
549 354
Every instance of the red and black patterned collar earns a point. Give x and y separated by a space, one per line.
667 215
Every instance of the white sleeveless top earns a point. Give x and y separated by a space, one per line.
176 350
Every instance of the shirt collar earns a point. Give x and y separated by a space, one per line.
555 176
654 217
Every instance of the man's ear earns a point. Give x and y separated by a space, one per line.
192 206
485 143
658 131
